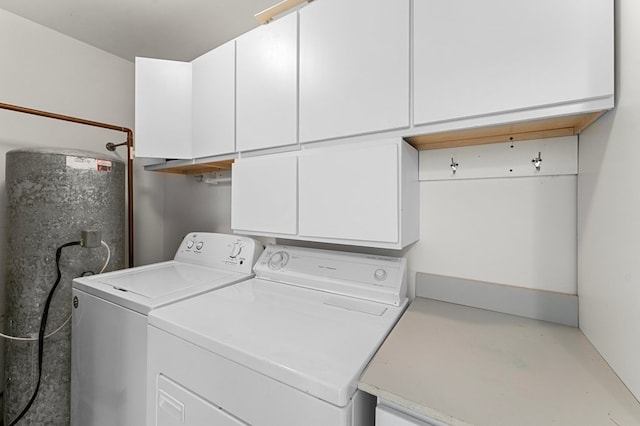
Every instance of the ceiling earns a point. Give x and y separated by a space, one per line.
166 29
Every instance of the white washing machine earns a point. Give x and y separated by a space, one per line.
109 324
285 348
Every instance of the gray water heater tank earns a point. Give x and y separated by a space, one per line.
52 195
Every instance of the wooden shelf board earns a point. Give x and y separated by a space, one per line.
268 14
538 129
195 169
512 132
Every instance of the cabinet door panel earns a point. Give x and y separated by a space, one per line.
354 67
264 194
476 58
163 108
350 193
267 85
214 102
389 417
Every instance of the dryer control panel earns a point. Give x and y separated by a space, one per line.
375 278
222 251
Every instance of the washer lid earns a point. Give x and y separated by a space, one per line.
161 281
147 287
316 342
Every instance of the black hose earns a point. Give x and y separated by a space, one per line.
43 326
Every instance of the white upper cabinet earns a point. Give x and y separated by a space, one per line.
163 109
186 110
267 92
363 194
354 67
214 102
353 194
264 195
533 59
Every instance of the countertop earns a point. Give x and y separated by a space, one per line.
469 366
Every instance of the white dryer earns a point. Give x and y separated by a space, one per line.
109 324
285 348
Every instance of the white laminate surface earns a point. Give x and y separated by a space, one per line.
469 366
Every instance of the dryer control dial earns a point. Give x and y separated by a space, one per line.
278 260
380 274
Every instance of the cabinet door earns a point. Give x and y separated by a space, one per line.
350 193
354 67
389 417
267 75
264 194
163 108
475 58
214 102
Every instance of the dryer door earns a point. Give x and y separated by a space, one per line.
177 406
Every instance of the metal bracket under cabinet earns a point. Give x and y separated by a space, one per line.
215 178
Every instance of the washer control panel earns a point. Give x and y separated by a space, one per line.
231 252
376 278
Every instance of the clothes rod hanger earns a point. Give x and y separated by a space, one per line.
129 144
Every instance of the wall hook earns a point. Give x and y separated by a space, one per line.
454 166
537 161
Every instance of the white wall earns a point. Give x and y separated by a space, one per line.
194 206
609 213
512 231
42 69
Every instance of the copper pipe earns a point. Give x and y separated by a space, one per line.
129 144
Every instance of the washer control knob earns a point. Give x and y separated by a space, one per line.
199 245
190 244
278 259
235 250
380 274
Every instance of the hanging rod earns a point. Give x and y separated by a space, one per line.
268 14
129 144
